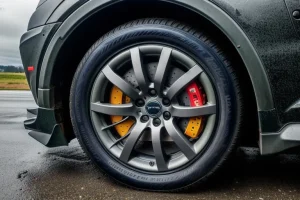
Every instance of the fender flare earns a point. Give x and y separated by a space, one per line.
205 8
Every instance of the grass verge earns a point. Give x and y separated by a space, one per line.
13 81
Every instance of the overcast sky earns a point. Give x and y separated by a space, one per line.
14 18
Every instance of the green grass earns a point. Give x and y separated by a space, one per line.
13 81
13 76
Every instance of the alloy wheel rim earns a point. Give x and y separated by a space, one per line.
154 107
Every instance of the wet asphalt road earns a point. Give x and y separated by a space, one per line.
29 170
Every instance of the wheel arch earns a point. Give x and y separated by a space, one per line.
205 8
69 32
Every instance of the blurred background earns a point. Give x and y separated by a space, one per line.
14 17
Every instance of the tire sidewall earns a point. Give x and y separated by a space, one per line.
221 142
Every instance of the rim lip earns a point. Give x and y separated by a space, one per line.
178 159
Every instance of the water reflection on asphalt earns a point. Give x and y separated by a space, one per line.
32 171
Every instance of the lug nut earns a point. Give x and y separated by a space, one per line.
156 122
152 92
140 103
167 115
166 102
144 118
296 14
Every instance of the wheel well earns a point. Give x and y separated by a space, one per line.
89 31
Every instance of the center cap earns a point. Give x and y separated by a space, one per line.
153 108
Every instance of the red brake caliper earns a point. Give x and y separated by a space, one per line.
195 125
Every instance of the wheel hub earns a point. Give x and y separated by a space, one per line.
153 108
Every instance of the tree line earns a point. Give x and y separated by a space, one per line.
11 69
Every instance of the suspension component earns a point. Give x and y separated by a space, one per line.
118 97
195 125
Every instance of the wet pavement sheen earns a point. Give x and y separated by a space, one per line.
28 170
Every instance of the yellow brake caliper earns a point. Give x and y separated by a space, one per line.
118 97
195 125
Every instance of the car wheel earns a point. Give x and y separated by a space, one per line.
156 105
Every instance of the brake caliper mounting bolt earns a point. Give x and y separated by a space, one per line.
144 118
166 102
140 103
152 92
156 122
167 115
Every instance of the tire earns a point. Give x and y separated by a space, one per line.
201 49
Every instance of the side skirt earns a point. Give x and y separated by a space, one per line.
287 137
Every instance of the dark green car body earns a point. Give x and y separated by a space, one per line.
264 33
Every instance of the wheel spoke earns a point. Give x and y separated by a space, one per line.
132 139
120 139
162 68
115 124
157 148
139 70
183 81
110 109
183 111
185 146
120 83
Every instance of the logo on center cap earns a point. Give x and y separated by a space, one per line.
153 108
